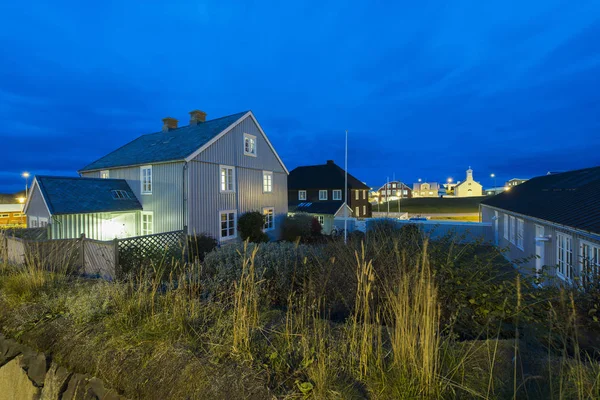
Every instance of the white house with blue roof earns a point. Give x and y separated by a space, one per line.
202 177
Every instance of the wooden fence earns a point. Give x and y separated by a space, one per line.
108 259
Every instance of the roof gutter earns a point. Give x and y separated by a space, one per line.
590 235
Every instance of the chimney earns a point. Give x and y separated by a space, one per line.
197 117
169 124
330 162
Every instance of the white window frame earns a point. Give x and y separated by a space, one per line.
592 265
337 194
513 228
321 219
248 136
147 227
43 222
322 194
228 227
105 174
266 210
33 222
520 233
227 186
564 256
505 220
146 186
302 195
267 181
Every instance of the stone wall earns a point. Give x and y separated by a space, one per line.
26 374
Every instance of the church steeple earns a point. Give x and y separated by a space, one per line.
469 174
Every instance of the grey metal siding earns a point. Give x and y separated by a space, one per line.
166 200
205 199
37 207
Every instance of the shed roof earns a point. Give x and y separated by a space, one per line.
321 207
570 198
68 195
324 176
174 145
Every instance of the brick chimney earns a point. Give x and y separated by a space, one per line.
330 162
169 124
197 117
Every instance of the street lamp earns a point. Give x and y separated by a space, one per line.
494 176
26 176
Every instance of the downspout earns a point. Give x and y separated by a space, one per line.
184 197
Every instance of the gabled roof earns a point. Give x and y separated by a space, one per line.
67 195
321 207
174 145
403 185
325 176
570 198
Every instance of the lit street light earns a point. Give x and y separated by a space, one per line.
494 176
26 176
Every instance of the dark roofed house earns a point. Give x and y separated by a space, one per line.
554 217
200 177
319 190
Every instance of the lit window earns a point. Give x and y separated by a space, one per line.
337 194
249 145
17 215
564 256
520 232
301 194
104 174
267 182
227 219
364 194
120 195
269 212
146 179
227 179
147 223
322 194
357 211
364 210
357 194
4 215
393 185
321 219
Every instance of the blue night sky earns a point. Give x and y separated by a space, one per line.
425 89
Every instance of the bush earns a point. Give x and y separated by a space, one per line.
200 245
251 225
303 226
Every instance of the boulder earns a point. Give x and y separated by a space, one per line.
55 383
35 364
15 384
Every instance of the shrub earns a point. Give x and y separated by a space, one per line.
250 226
303 226
200 245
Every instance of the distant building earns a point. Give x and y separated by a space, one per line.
514 182
551 220
393 190
468 187
12 215
494 190
425 189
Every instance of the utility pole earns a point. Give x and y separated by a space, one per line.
346 191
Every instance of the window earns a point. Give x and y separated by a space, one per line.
364 194
147 223
520 231
405 192
389 192
120 195
364 210
357 193
564 255
269 213
4 215
227 179
43 222
590 260
17 215
357 211
321 219
301 194
33 222
104 174
337 194
228 224
249 145
513 229
505 218
430 193
267 182
393 185
146 179
322 194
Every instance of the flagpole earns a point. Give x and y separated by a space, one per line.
346 191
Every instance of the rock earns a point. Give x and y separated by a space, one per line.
15 384
35 364
9 349
55 383
76 389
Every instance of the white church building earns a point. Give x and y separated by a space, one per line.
468 187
